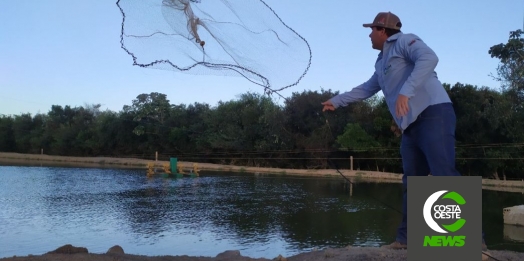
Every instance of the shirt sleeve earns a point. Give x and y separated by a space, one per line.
425 60
359 93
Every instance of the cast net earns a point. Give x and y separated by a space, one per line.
221 37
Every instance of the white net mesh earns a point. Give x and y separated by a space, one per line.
222 37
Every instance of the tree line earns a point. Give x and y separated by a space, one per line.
257 130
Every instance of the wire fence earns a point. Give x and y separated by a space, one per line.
318 158
493 160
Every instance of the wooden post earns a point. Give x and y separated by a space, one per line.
351 160
41 151
156 155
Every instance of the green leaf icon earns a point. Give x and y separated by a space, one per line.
455 226
455 197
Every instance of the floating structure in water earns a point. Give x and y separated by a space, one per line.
514 223
514 215
171 169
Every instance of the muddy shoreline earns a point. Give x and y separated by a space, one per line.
116 253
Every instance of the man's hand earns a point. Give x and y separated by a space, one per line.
402 106
328 106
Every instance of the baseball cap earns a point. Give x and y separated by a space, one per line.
386 20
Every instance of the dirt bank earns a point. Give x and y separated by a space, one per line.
108 162
71 253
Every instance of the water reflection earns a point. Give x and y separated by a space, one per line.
263 216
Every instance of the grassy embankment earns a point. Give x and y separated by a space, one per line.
108 162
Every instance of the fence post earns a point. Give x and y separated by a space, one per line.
41 151
351 161
156 155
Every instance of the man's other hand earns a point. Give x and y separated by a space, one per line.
328 106
402 106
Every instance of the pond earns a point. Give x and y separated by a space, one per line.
260 215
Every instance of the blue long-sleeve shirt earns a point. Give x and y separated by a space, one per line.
406 66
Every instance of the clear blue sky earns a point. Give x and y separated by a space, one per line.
62 52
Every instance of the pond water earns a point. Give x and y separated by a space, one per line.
43 208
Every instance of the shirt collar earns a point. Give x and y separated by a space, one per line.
389 40
394 37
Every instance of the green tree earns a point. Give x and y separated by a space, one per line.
510 72
243 128
7 135
484 120
356 138
511 55
312 132
22 127
150 110
39 139
196 118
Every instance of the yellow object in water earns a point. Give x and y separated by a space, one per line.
167 168
195 168
150 170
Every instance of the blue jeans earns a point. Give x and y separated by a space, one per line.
428 146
